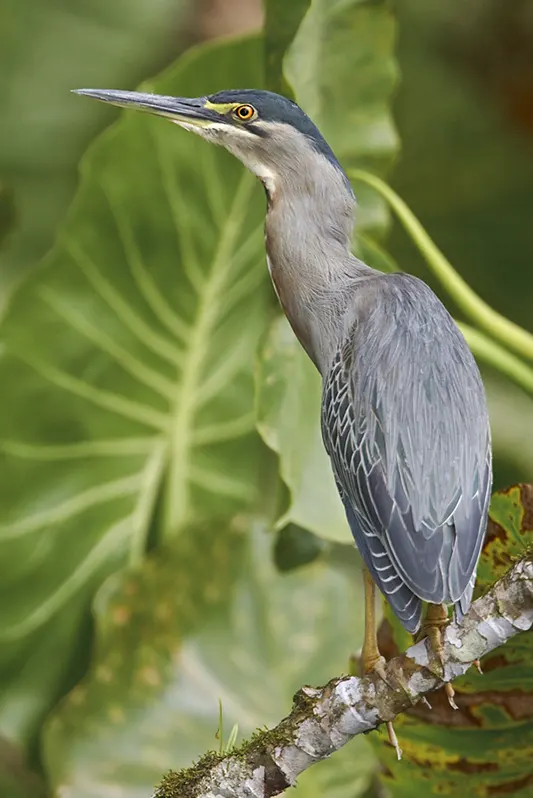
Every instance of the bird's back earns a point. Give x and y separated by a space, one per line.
405 423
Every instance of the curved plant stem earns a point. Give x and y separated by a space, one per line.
491 353
497 326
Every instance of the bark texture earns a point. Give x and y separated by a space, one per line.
323 719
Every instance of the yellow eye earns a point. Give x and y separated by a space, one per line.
244 112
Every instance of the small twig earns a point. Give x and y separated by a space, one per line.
324 719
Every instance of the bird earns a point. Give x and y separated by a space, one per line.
404 416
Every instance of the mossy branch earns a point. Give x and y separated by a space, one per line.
324 719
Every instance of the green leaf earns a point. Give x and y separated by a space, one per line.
463 113
46 49
463 110
282 20
209 619
7 213
126 373
295 547
288 409
486 746
16 779
341 68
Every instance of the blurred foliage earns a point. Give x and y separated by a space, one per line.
208 618
486 746
466 168
281 24
7 213
132 435
288 394
464 109
296 546
342 71
46 49
144 393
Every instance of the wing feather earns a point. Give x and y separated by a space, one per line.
405 424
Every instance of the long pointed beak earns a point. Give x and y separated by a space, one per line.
180 109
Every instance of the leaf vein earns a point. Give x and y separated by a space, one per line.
98 494
79 449
99 397
144 374
224 430
143 279
158 344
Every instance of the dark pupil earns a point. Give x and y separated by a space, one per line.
244 112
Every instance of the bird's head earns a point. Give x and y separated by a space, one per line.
269 133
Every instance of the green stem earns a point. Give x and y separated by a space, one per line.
498 357
496 325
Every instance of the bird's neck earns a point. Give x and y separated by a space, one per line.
308 240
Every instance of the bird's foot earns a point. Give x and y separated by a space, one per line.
450 695
477 665
434 625
374 662
371 658
393 740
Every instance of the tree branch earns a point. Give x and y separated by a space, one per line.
324 719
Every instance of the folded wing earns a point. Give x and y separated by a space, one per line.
405 424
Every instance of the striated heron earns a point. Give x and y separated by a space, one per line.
404 417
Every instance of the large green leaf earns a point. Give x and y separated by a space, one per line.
486 747
7 213
208 619
288 405
16 779
127 376
342 71
46 49
282 20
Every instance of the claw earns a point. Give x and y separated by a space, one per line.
478 667
393 740
436 621
376 664
371 657
450 695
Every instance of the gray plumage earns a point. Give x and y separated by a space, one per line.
404 418
405 425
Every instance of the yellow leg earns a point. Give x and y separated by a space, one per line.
371 656
435 622
372 659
